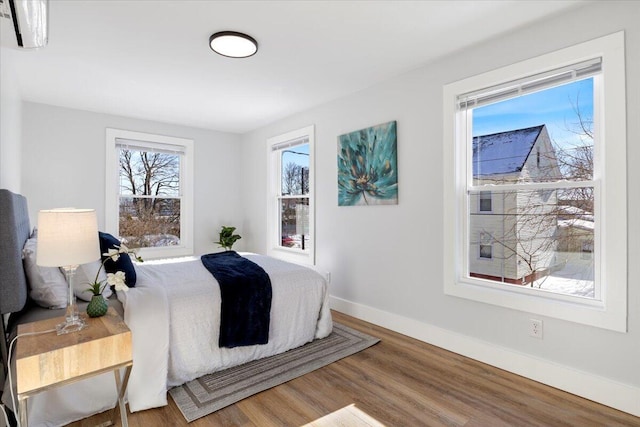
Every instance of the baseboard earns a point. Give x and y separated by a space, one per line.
584 384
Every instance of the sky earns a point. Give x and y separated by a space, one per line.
553 107
298 154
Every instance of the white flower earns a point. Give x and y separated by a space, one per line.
114 254
123 249
117 279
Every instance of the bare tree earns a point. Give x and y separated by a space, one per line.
295 179
149 211
576 159
291 179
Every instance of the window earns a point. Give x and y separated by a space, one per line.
535 185
485 201
149 190
486 250
291 203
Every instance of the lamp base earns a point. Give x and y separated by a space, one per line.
70 325
72 321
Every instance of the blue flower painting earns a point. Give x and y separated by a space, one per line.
367 166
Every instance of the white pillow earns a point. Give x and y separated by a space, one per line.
85 274
48 285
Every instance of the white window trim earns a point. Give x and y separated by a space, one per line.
274 248
186 186
610 311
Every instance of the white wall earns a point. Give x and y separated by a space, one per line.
10 123
386 261
63 164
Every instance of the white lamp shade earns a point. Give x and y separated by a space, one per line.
67 237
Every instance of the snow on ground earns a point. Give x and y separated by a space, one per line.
576 278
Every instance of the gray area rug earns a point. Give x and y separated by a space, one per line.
212 392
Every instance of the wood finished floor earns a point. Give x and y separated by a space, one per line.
400 382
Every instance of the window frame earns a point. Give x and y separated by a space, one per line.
610 310
274 171
112 192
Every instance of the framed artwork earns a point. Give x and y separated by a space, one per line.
367 166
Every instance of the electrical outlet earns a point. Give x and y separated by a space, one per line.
535 328
327 277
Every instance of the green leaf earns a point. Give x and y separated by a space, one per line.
227 238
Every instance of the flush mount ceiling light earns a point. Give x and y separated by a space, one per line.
233 44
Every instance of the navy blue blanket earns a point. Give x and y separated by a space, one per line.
246 299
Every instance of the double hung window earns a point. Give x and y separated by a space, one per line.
535 156
291 203
149 192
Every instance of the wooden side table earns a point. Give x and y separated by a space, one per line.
48 360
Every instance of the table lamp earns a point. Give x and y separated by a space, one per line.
66 239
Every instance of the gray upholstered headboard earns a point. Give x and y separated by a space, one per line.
14 232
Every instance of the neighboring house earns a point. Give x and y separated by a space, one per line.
575 230
513 233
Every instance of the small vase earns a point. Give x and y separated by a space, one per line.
97 306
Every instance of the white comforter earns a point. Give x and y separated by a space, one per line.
174 315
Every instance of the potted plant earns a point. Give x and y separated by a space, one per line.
98 306
227 238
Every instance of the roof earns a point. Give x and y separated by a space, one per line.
577 223
504 152
575 212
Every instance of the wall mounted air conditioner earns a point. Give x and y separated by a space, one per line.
30 21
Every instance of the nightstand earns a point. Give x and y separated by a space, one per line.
49 360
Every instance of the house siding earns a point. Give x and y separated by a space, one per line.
521 226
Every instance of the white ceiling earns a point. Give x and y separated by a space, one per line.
151 60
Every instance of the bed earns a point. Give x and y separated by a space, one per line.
174 315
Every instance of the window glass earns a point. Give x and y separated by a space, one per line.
485 201
294 211
538 233
295 170
149 198
294 223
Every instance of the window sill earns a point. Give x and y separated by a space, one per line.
295 256
164 252
585 311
